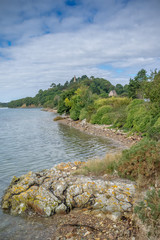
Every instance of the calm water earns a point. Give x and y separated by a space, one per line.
30 141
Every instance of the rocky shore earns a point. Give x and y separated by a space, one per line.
58 191
102 130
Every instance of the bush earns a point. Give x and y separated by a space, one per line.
157 123
149 212
120 119
49 104
83 114
106 119
141 160
134 103
115 102
139 116
74 113
96 118
154 133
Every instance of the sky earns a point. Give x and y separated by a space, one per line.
49 41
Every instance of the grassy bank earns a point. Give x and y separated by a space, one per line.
140 163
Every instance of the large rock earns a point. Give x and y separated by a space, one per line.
58 191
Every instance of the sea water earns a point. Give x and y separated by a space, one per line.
31 141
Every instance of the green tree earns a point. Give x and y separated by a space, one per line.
152 88
53 85
82 99
136 87
119 89
62 107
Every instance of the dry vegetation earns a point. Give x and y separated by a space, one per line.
99 167
58 118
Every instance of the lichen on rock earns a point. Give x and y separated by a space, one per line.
58 191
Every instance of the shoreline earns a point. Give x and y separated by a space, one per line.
81 207
49 110
84 205
102 131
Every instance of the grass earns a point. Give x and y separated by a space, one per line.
99 167
140 163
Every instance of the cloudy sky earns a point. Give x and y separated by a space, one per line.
46 41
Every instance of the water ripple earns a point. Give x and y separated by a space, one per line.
31 141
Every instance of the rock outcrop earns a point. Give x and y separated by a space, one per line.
58 191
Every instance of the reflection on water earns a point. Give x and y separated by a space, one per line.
31 141
83 146
28 228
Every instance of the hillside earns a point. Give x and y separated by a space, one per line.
3 104
51 96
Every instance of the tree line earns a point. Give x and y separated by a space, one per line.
142 86
56 92
135 109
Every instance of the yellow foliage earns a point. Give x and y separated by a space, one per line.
114 101
67 102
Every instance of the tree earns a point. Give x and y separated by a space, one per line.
62 108
119 89
100 86
53 85
82 99
152 88
136 87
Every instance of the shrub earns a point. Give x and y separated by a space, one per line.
154 133
104 109
142 160
83 114
139 116
96 118
157 123
74 113
134 103
120 119
115 102
106 119
149 212
49 104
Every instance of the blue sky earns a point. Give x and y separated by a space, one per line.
46 41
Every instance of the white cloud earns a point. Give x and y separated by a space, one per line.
122 36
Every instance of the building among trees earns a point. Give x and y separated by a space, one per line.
112 93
